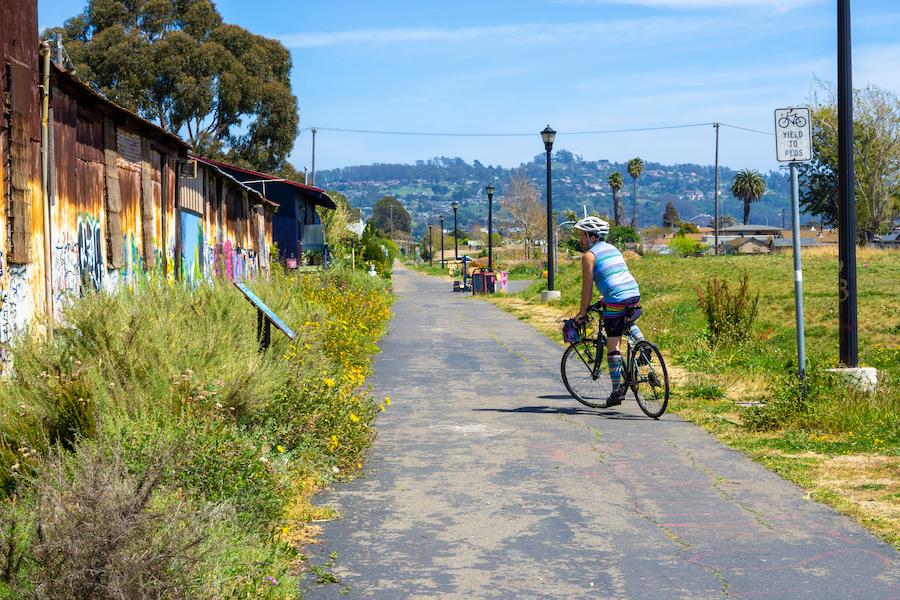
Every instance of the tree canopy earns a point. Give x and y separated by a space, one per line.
876 154
389 216
616 182
225 90
748 186
635 168
670 217
337 223
524 215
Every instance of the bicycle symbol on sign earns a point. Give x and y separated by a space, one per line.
795 120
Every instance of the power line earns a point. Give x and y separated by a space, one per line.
602 132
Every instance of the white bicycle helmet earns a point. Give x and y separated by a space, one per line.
594 225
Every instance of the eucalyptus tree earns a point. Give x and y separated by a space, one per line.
748 186
616 182
635 168
225 90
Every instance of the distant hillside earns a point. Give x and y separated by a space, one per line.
427 188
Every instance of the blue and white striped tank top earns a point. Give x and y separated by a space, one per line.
611 274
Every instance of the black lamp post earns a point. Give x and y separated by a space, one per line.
430 253
442 242
490 192
455 205
548 134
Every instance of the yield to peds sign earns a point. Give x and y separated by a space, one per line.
792 139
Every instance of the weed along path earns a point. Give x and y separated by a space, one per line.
488 481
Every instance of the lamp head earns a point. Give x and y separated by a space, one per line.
490 191
548 136
455 205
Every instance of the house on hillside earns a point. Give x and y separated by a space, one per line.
296 226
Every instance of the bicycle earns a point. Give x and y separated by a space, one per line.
796 120
586 375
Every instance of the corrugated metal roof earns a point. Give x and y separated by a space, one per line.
318 194
215 167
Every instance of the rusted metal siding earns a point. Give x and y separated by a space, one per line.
230 238
64 137
20 193
114 245
19 42
128 146
170 228
89 138
192 193
130 191
64 278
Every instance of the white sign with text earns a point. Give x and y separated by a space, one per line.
792 135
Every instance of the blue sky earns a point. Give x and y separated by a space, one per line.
582 66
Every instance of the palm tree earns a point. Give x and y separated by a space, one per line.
748 185
635 168
615 183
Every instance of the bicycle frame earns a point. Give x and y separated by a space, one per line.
583 364
600 355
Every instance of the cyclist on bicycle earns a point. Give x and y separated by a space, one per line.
604 266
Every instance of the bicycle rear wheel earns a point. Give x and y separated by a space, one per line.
650 382
585 373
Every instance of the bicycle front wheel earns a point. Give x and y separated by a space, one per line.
585 373
650 382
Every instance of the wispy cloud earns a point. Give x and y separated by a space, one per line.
516 34
778 5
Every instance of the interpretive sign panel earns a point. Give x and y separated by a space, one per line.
265 310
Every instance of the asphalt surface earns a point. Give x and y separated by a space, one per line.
489 481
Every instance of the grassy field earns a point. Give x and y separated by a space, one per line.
839 444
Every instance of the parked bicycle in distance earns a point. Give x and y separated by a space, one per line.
586 375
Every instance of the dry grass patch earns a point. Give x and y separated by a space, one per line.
867 488
542 317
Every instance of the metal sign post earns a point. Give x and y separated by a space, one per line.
794 145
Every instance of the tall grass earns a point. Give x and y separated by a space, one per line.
153 412
761 366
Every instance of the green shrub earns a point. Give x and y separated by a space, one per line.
156 404
685 246
729 316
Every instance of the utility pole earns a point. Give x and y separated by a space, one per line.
716 195
314 157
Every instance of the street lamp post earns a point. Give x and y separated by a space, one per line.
442 242
490 192
548 135
455 205
430 253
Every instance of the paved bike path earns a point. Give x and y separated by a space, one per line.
489 481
